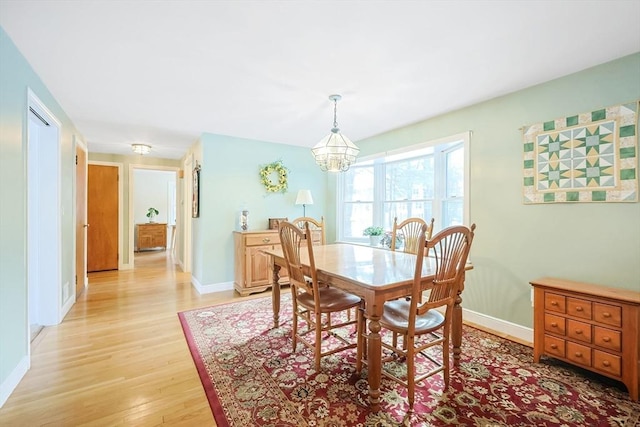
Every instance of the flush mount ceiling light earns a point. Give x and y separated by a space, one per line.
335 152
141 148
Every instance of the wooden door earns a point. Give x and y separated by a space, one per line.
81 219
102 206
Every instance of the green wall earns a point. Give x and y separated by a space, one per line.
516 243
230 181
16 75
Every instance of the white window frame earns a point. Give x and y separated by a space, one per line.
449 144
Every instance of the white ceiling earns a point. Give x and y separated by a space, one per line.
163 72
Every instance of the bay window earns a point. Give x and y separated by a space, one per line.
426 180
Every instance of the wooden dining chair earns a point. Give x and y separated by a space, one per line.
311 301
313 225
410 230
419 321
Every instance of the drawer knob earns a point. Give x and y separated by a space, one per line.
606 363
606 314
606 339
554 325
554 302
578 354
578 331
554 346
579 308
266 240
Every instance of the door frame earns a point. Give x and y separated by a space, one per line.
120 166
80 145
187 209
132 167
46 295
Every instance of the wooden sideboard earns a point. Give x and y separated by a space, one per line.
252 271
591 326
151 235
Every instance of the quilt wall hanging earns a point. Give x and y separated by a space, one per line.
588 157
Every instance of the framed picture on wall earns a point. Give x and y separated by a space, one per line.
195 209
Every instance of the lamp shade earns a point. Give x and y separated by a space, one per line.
335 152
304 197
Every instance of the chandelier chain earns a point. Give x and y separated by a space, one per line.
335 113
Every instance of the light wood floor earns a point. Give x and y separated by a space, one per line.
119 358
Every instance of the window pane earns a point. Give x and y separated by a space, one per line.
356 217
358 184
455 173
404 210
410 179
452 212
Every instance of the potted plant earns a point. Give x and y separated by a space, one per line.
374 234
151 214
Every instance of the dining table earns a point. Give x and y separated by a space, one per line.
376 275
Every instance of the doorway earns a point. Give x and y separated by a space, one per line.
48 300
153 187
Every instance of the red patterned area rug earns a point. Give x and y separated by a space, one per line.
252 378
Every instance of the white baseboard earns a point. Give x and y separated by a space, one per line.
14 378
214 287
498 325
65 308
124 266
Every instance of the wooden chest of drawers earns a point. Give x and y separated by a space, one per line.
151 235
591 326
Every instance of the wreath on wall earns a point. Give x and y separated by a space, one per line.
274 177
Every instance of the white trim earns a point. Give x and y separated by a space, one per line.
187 219
34 101
214 287
500 326
120 166
466 213
463 136
78 143
13 379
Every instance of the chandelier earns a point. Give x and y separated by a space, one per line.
141 148
335 152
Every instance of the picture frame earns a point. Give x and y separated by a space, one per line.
195 205
274 223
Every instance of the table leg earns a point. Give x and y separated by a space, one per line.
374 359
456 328
275 294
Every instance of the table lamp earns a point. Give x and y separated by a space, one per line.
304 198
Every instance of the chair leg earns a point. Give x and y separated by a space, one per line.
445 357
411 370
294 326
318 347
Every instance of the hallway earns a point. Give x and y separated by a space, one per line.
119 357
